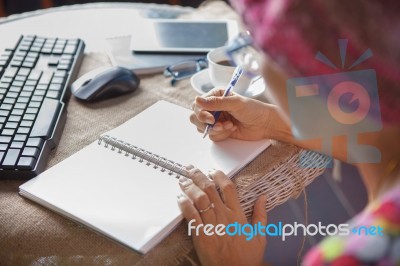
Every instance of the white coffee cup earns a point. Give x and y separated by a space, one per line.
221 74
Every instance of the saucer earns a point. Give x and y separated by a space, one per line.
201 83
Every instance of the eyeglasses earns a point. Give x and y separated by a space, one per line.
185 69
242 52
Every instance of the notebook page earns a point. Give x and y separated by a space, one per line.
165 129
113 194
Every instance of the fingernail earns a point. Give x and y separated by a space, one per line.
264 197
179 196
183 179
209 120
201 101
185 182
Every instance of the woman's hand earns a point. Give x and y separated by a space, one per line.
241 118
203 205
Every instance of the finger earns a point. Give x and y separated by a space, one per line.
228 190
208 186
260 216
203 117
188 210
219 103
199 198
200 125
259 213
221 135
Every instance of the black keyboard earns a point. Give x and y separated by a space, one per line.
35 76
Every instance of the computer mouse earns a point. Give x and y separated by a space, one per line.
104 83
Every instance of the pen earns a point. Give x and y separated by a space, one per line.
235 77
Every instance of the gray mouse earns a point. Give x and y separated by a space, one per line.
104 83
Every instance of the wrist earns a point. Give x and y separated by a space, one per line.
277 128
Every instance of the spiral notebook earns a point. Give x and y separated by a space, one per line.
124 185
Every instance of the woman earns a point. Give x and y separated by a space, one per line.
290 33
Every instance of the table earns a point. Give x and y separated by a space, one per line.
31 234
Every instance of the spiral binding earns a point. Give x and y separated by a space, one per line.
143 155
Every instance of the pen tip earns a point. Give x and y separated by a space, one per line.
205 133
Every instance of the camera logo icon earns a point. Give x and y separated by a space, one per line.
340 104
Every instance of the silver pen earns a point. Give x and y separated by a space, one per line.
235 77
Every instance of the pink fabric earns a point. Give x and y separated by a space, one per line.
291 32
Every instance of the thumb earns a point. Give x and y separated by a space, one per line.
219 103
260 216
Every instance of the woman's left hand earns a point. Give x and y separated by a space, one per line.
204 208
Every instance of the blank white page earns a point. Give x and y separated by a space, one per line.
113 194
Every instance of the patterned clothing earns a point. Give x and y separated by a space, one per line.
380 246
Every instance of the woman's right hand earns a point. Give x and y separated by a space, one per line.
241 117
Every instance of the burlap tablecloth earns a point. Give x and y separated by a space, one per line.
32 235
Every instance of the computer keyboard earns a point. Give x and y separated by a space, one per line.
35 76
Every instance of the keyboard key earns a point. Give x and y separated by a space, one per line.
26 124
37 98
53 61
23 100
5 106
57 80
30 110
23 130
28 88
20 78
2 155
26 94
9 100
55 87
53 94
15 89
11 125
35 142
12 94
17 83
24 71
11 158
4 85
63 67
32 152
35 75
29 117
17 145
60 74
4 112
2 119
39 92
8 132
20 137
43 126
46 78
14 118
10 72
5 139
3 147
28 64
17 112
30 83
34 104
70 49
26 163
20 106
